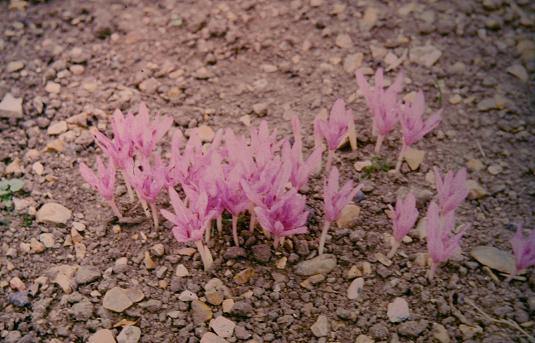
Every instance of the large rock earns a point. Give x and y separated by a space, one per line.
494 258
117 300
53 213
11 107
87 274
322 264
222 326
200 312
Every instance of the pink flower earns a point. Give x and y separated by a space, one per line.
301 170
264 189
335 198
441 245
189 221
147 178
523 249
145 133
382 103
334 129
413 126
286 217
103 181
264 144
451 189
117 150
405 216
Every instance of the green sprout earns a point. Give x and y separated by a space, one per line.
7 189
378 165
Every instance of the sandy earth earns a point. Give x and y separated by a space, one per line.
228 64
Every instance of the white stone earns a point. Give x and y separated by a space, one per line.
52 87
425 55
181 271
321 327
11 107
187 296
53 213
57 128
355 288
129 334
398 310
102 336
211 337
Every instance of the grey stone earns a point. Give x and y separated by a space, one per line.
86 274
129 334
322 264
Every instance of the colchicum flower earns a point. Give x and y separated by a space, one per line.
191 221
334 200
333 130
103 182
403 219
441 244
383 104
413 126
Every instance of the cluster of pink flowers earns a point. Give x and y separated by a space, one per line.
258 174
387 110
266 176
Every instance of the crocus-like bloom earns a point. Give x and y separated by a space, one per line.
413 126
146 133
382 103
334 129
103 181
441 244
233 198
451 189
286 217
191 221
301 170
148 180
403 219
334 200
523 249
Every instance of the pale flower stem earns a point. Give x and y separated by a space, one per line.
394 249
154 210
379 143
115 209
235 230
219 223
128 188
330 157
204 258
432 270
400 157
276 243
144 206
323 236
207 234
252 221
